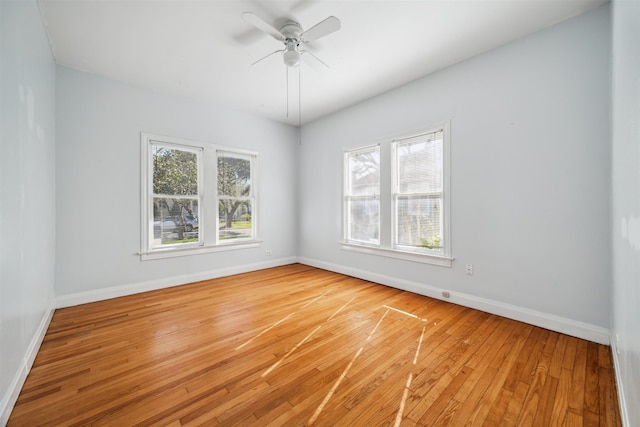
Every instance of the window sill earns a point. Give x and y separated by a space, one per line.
394 253
196 250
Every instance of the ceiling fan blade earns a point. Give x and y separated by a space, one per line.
321 29
316 58
265 57
259 23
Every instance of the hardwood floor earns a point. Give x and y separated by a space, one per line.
295 345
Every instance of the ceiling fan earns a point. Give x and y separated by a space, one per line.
293 36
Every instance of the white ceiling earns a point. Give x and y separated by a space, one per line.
204 49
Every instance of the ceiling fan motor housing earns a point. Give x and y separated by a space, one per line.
291 30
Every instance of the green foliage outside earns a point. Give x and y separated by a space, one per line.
431 244
241 224
175 173
433 241
234 181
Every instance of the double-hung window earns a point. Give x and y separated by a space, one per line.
175 197
236 199
362 195
418 193
196 197
396 197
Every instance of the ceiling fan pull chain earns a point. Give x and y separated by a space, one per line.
300 104
287 68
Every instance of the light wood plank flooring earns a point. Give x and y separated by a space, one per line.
295 345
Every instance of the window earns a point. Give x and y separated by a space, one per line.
235 197
402 212
175 197
362 195
184 184
418 192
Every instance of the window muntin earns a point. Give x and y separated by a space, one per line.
181 194
235 198
362 196
418 193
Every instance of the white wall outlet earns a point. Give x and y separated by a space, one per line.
468 269
268 252
446 294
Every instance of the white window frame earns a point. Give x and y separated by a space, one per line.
151 195
397 194
348 197
388 184
207 204
251 198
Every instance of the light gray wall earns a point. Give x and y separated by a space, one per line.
530 178
626 204
27 197
98 185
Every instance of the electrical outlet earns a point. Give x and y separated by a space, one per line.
446 294
268 252
468 269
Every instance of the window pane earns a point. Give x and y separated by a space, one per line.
420 165
175 221
420 222
364 172
175 171
364 220
235 219
234 175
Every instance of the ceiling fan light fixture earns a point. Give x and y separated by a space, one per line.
291 58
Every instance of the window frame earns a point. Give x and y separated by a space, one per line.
251 198
207 203
348 197
397 194
388 246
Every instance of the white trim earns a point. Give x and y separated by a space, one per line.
424 258
11 396
151 285
195 250
553 322
207 198
387 220
347 197
622 402
254 190
445 212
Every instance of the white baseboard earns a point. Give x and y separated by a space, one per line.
622 402
545 320
152 285
9 399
